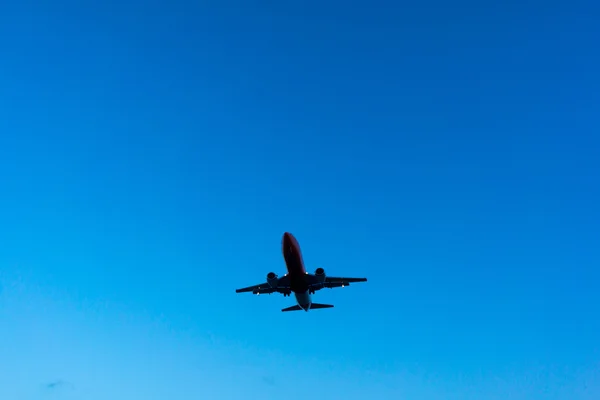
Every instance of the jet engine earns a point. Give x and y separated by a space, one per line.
272 279
320 274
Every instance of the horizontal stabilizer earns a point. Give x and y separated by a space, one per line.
292 308
312 307
317 305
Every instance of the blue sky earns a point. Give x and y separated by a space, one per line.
152 155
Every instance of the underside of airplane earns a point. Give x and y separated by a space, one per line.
297 280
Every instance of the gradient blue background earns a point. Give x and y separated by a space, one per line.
152 155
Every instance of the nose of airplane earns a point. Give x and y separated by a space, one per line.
285 241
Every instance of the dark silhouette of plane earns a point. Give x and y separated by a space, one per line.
297 280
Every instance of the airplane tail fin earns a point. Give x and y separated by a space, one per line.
292 308
312 306
317 305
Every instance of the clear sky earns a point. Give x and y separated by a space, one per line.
152 155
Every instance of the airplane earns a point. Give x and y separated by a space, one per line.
297 280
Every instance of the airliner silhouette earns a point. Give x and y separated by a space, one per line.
297 280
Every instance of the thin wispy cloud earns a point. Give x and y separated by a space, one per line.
57 384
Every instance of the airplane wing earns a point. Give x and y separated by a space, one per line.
264 288
333 282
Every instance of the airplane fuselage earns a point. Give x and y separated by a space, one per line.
296 271
297 280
